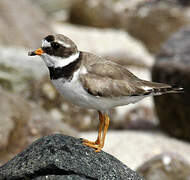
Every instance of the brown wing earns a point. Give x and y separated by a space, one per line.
108 79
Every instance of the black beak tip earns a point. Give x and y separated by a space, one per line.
31 53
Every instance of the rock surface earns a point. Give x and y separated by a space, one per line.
173 67
67 157
165 167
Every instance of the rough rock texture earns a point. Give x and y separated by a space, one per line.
22 122
64 155
165 167
173 67
22 23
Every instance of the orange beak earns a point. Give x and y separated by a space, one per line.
38 51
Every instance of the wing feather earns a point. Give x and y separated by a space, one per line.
108 79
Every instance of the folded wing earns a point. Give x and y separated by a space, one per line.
108 79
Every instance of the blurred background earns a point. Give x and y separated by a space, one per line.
149 37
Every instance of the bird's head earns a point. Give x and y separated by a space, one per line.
57 51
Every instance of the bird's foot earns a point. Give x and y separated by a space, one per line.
92 144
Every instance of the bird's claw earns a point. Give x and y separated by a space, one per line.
97 147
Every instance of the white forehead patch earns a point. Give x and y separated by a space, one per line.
45 43
64 44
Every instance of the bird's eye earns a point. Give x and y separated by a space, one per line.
55 45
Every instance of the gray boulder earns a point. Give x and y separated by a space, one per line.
64 157
173 67
165 166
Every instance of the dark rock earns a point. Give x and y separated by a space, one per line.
184 2
173 67
67 157
165 167
62 177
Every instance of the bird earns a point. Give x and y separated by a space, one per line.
93 82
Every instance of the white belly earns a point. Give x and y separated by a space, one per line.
74 92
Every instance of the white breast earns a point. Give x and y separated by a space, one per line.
73 91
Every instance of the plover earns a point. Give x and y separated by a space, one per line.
93 82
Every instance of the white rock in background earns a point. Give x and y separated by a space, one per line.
135 147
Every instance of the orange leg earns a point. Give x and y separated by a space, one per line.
101 119
106 125
97 143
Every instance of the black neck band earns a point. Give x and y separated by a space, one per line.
65 72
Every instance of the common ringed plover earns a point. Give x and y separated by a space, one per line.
93 82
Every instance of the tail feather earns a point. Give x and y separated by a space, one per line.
153 88
166 90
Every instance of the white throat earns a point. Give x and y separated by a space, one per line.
59 61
